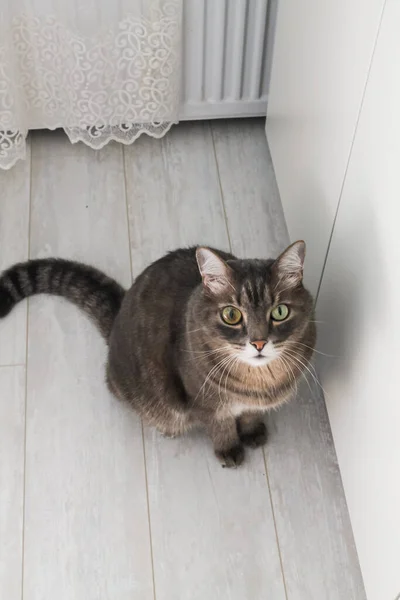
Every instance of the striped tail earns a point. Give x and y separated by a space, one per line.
99 296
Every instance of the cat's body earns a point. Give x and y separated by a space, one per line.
175 353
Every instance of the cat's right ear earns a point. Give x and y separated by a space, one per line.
216 274
288 267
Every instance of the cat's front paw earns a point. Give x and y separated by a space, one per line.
255 437
231 457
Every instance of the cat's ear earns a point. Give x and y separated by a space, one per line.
216 274
288 267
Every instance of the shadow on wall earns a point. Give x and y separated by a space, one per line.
344 302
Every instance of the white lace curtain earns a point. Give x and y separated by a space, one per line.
101 69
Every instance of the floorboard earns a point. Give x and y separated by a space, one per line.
12 433
315 537
14 241
212 530
86 521
257 227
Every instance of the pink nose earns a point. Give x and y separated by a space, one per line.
258 345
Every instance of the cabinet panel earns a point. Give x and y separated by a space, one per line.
359 306
321 59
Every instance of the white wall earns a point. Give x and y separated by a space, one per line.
360 305
334 131
322 54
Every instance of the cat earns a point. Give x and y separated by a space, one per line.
201 337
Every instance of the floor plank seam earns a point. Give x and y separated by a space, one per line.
275 525
127 211
143 440
220 188
26 375
148 512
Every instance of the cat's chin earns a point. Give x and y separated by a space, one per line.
256 361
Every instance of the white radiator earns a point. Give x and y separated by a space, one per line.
226 58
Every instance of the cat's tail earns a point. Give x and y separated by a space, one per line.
99 296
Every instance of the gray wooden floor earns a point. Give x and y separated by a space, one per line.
93 506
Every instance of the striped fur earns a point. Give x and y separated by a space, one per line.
171 354
99 296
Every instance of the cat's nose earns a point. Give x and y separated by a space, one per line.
258 344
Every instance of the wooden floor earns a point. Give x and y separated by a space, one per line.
93 506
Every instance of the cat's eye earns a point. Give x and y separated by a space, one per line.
231 315
280 312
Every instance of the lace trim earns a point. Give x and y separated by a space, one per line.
98 136
114 86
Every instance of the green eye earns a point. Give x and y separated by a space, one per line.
280 312
231 315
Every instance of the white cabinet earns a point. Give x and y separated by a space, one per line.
359 305
334 131
321 58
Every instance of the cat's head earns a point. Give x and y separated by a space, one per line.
255 309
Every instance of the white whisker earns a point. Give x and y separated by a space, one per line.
294 357
212 371
194 330
226 366
287 366
295 362
310 347
232 365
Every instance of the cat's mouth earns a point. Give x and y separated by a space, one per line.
257 361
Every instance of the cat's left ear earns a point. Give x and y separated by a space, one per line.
216 274
288 267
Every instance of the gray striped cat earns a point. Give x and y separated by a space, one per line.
201 337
